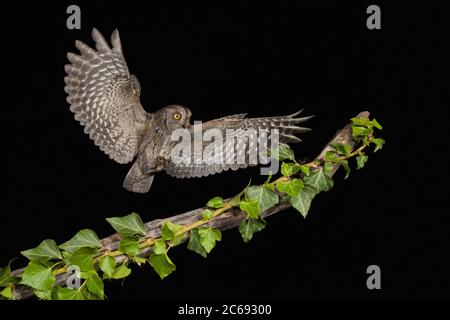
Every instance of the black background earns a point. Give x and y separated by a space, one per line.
219 60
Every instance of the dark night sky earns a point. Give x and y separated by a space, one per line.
264 60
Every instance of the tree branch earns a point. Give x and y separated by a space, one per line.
231 218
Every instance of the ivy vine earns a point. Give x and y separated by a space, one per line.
298 184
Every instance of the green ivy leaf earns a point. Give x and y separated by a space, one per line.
346 167
365 140
162 264
319 180
194 243
122 271
282 152
288 169
178 240
38 276
342 148
364 122
83 258
130 245
236 200
87 274
376 124
292 187
358 131
378 144
328 167
5 275
266 198
43 294
361 161
107 264
207 214
250 226
6 292
84 238
305 169
302 201
251 207
331 156
216 203
208 237
47 250
95 286
269 186
169 230
139 260
72 294
129 225
159 247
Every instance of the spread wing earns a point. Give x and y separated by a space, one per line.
239 147
105 97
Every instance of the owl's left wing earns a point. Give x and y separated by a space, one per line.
238 145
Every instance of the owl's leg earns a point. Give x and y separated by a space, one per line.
136 181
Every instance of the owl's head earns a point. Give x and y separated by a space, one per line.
176 116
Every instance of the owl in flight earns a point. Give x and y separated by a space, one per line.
105 99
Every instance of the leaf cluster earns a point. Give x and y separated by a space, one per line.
95 263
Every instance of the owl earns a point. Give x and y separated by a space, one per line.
104 97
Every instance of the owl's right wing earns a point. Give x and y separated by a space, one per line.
105 97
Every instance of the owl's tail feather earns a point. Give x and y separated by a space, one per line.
136 181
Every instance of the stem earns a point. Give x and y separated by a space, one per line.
356 151
60 270
151 241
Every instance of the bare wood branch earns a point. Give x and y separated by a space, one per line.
227 220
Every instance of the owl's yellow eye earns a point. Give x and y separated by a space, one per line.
177 116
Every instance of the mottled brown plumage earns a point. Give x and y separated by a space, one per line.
105 99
